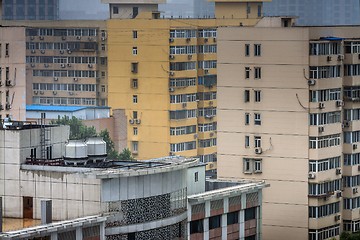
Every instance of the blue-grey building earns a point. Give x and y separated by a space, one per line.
188 8
316 12
30 9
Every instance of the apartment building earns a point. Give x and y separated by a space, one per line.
163 73
58 62
288 104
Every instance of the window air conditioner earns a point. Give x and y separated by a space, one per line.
312 175
258 150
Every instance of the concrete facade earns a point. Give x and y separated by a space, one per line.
286 98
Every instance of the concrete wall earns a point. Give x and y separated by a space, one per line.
196 184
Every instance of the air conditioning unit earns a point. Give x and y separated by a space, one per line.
62 65
36 92
41 37
355 190
56 79
212 134
171 73
171 89
42 92
359 56
103 39
358 167
171 57
206 40
312 175
346 124
8 83
137 121
131 121
189 57
33 51
338 171
321 129
337 217
71 93
171 40
214 39
171 154
339 103
69 64
76 79
354 146
46 65
321 105
188 39
206 71
328 58
195 136
211 165
258 150
311 82
69 51
42 51
61 51
63 38
340 57
209 116
8 106
90 39
90 65
184 105
32 37
78 37
338 194
54 92
32 65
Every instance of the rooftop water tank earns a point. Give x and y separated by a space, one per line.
96 147
76 152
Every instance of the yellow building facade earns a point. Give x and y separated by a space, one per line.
163 73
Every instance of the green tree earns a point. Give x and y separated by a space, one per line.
350 236
126 155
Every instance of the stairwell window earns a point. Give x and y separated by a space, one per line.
134 51
257 119
115 10
134 67
135 34
247 72
247 118
135 99
257 50
7 49
247 141
257 95
247 95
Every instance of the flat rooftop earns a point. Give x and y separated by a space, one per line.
114 169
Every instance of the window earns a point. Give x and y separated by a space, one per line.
257 119
135 12
7 73
247 118
257 141
248 8
177 131
184 146
250 213
135 34
7 49
134 67
196 176
232 218
257 166
196 226
259 11
257 95
135 147
324 210
134 83
135 114
257 50
135 131
134 51
103 88
247 96
247 50
103 47
247 141
257 72
252 165
324 233
135 99
247 165
115 10
247 72
214 222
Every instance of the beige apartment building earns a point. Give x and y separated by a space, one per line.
53 63
288 110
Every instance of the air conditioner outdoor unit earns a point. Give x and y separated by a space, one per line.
212 134
171 154
354 146
32 37
358 167
41 37
337 217
33 51
33 65
131 121
8 106
188 39
171 57
339 103
195 136
321 129
171 40
54 92
46 65
355 190
340 57
63 37
42 51
61 51
71 93
69 65
346 124
206 40
312 175
137 121
42 92
206 71
189 56
311 82
8 83
338 171
214 39
90 65
328 58
103 39
62 65
69 51
171 73
36 92
321 105
211 103
76 79
78 37
184 105
338 194
258 150
171 89
56 78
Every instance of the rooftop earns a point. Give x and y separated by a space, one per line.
51 108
